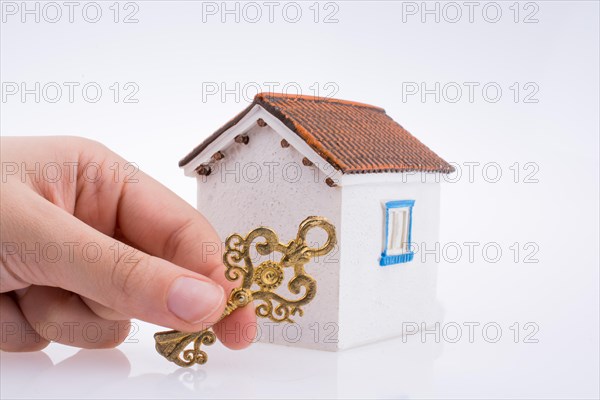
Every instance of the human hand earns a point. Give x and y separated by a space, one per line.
88 239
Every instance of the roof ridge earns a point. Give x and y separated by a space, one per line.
264 96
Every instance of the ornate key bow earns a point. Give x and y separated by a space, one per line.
268 276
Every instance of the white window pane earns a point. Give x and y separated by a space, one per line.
397 230
404 229
392 227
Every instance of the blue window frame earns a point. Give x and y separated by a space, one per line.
398 232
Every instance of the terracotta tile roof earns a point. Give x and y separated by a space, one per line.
354 137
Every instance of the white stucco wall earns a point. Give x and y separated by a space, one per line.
358 301
376 300
262 183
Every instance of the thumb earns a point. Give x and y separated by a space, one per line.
115 275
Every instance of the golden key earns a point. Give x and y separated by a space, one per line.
268 276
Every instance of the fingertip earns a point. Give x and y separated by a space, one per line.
119 333
195 301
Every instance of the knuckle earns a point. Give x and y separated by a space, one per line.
85 143
175 241
129 273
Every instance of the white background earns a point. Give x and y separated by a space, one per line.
371 54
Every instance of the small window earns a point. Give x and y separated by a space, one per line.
398 226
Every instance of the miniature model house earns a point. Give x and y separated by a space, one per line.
287 157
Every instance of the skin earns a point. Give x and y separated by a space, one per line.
148 238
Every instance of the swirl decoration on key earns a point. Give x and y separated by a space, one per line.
265 278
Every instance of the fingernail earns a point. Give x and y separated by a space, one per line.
194 300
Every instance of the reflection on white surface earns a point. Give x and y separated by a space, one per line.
415 367
394 369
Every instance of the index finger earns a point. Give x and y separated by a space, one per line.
155 220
